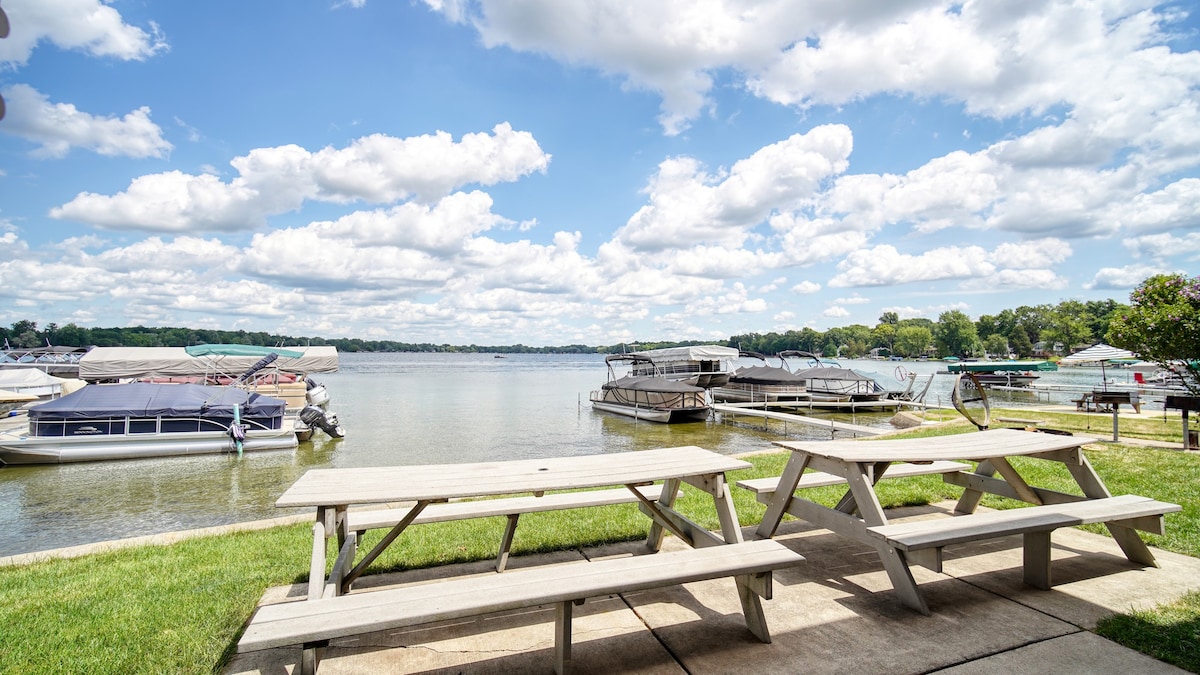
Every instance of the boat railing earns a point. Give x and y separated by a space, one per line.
128 425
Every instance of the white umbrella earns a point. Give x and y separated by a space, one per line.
1099 353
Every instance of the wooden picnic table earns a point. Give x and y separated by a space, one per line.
860 516
333 491
331 610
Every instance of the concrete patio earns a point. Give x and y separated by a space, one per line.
835 613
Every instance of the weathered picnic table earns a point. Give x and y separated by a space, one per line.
650 478
860 516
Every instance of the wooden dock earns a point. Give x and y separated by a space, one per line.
833 426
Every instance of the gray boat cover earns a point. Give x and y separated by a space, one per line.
123 362
766 375
144 399
651 384
828 373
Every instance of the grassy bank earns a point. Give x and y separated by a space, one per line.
180 608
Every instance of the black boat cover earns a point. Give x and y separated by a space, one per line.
145 399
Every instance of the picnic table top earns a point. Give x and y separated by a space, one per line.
380 484
975 446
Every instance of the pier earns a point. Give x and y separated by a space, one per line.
756 410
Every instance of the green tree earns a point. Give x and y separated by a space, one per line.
996 345
1162 325
987 326
1100 314
1033 320
884 335
955 334
1068 323
913 340
1018 342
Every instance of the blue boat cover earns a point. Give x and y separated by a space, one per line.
145 399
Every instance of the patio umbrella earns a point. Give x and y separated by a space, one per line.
1099 353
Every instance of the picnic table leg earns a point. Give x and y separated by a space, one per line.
1126 537
562 636
783 494
749 589
894 562
510 530
731 529
969 500
666 498
387 540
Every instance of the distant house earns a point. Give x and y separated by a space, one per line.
1044 349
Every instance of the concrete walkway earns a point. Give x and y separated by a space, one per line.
836 613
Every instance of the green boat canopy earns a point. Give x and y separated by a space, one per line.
1002 366
240 350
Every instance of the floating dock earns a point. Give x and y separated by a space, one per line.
744 409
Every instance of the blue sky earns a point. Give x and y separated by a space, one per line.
550 172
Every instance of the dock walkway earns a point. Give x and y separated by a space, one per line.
856 429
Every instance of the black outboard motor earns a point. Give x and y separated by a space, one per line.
327 422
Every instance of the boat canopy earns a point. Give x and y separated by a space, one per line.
766 375
1002 366
660 384
104 363
830 373
241 350
25 378
145 399
693 353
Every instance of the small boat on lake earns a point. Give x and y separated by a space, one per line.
280 372
763 384
828 382
1013 374
652 398
704 366
142 419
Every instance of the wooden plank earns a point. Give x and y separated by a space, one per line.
434 482
483 508
832 425
316 567
310 621
959 529
975 446
821 479
996 486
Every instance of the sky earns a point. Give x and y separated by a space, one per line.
553 172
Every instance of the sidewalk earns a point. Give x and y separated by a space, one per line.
835 613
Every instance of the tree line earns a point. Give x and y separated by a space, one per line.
1014 331
1164 317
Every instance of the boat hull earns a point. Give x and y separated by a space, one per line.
22 449
662 415
738 393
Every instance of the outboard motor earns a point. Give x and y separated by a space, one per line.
327 422
317 394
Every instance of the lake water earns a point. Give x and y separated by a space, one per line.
396 409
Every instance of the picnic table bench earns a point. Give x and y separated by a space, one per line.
860 516
922 541
510 507
314 624
652 478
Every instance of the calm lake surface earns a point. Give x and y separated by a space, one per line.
396 409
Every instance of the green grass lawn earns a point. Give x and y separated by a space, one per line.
180 608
